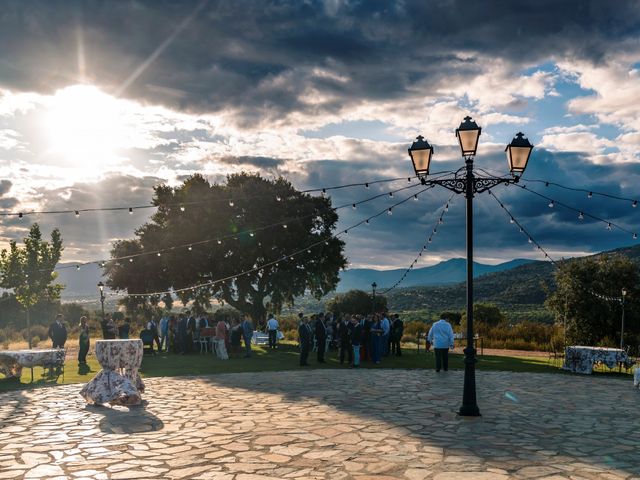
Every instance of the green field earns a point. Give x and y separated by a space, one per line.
285 358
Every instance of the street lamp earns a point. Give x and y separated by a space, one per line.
374 285
467 182
624 294
101 288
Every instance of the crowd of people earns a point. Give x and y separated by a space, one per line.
356 337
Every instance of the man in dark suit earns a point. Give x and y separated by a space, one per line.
321 337
397 330
58 332
344 331
304 336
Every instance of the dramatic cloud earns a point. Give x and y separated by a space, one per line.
100 101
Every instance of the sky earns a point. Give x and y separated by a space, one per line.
100 101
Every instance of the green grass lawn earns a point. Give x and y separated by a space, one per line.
285 358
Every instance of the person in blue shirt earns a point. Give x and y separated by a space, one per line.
441 337
247 334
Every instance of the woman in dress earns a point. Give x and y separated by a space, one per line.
84 341
221 335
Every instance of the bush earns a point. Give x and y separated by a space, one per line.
39 331
35 340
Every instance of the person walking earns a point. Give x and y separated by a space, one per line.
441 337
321 337
83 341
247 334
58 332
304 337
397 330
272 330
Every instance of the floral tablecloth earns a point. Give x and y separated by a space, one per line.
13 361
119 382
580 359
636 378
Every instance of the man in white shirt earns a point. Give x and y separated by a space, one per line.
272 330
441 337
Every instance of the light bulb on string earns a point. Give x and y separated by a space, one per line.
511 220
284 225
581 216
189 248
590 194
634 204
415 197
446 207
182 208
521 230
367 221
278 198
408 179
131 260
609 226
219 242
159 254
366 185
389 212
546 184
251 234
440 220
77 213
551 204
635 236
231 204
130 211
530 240
20 215
77 268
353 205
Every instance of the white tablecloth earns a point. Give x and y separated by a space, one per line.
119 382
13 361
580 359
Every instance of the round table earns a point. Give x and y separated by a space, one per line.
118 383
13 361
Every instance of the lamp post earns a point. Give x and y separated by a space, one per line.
466 181
101 289
374 285
624 294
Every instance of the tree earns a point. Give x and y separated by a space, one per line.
579 299
242 232
356 302
28 270
485 316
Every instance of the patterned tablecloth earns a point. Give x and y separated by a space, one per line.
636 378
13 361
580 359
119 382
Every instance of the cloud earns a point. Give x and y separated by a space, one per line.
258 162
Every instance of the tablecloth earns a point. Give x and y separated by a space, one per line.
118 383
580 359
13 361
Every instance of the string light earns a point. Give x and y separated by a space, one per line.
158 254
77 213
511 220
366 185
131 260
190 248
278 198
20 215
231 203
635 236
219 242
634 204
353 205
390 194
130 211
551 204
367 221
581 216
590 194
389 212
609 226
182 206
77 267
415 197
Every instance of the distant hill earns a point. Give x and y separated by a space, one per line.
449 271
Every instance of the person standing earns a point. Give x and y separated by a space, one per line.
111 329
153 326
164 333
356 338
365 346
104 324
182 333
247 334
321 337
58 332
221 336
124 329
83 341
272 330
397 330
376 339
344 331
304 337
441 337
386 331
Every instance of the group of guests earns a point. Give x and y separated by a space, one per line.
357 337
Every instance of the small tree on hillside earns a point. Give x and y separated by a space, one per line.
28 270
356 302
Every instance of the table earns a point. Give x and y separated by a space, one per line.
13 361
580 359
118 383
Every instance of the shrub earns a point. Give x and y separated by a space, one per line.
35 340
39 331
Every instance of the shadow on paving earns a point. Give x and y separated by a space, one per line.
528 420
134 419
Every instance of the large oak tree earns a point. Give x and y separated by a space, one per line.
226 229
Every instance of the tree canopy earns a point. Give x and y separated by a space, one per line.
591 319
356 302
217 231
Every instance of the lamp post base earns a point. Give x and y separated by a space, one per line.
469 406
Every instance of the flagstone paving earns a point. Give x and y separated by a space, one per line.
330 424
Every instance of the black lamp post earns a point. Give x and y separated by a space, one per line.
101 289
374 285
467 182
624 294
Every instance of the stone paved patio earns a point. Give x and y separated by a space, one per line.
330 424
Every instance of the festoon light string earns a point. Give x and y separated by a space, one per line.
581 213
258 268
426 243
555 263
188 246
182 205
590 193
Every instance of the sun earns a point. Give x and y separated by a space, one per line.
84 128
